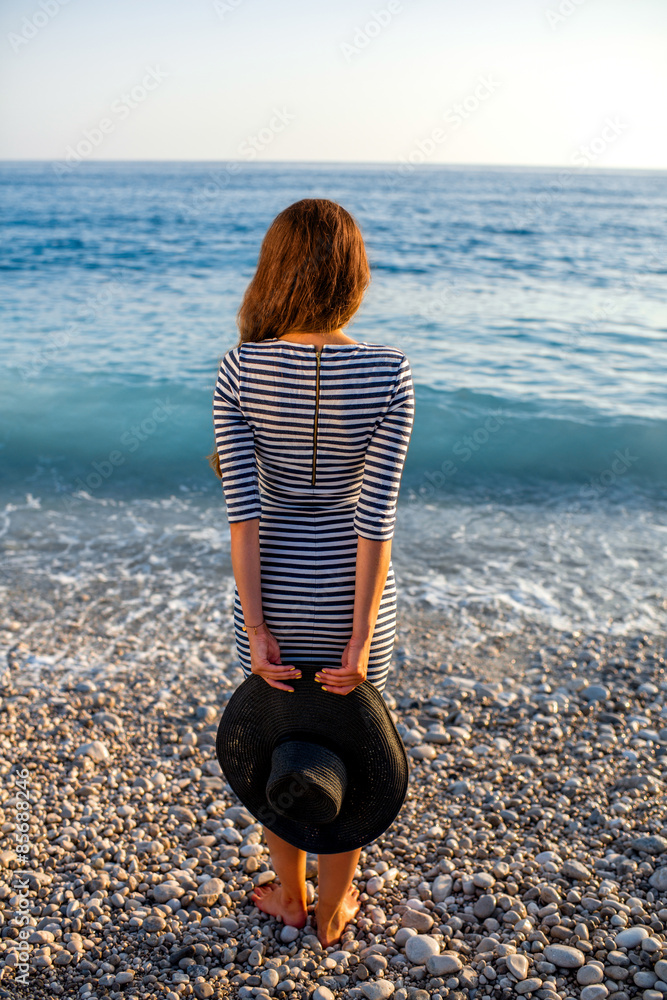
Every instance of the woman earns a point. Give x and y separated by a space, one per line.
312 429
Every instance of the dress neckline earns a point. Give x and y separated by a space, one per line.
314 347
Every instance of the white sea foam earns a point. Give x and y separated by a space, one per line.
488 569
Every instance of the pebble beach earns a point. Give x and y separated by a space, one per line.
529 859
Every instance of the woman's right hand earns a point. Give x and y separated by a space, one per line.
265 660
352 671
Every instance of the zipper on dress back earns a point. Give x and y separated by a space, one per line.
317 409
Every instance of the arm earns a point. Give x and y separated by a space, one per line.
375 521
264 648
236 450
373 560
246 567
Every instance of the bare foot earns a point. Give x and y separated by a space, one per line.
270 899
329 931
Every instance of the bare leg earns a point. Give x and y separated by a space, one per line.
338 902
288 899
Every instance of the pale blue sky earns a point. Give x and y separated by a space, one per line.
302 80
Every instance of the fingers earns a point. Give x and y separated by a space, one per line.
280 687
276 670
338 680
338 675
345 690
276 673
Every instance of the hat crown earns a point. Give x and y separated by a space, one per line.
307 782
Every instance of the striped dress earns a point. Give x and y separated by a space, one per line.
313 442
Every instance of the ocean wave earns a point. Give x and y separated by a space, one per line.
150 438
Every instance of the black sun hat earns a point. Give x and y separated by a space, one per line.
328 773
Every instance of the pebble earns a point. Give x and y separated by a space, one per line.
442 888
534 822
378 989
594 992
210 892
374 885
320 993
420 947
575 870
517 965
595 692
588 975
644 978
483 880
402 935
166 891
417 920
445 964
650 845
563 956
527 986
484 906
631 937
658 879
97 750
423 752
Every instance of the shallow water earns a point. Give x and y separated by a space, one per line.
532 310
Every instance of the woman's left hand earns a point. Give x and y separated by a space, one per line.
265 660
352 671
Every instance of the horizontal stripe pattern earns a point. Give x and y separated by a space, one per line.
264 410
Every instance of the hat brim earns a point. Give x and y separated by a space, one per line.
357 726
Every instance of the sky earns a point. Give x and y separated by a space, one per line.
522 82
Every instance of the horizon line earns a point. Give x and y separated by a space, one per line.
352 163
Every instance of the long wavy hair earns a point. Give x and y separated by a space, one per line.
311 276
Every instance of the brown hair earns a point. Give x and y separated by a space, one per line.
311 276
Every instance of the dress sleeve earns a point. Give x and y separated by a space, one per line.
375 515
235 444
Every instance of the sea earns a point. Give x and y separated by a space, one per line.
532 305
